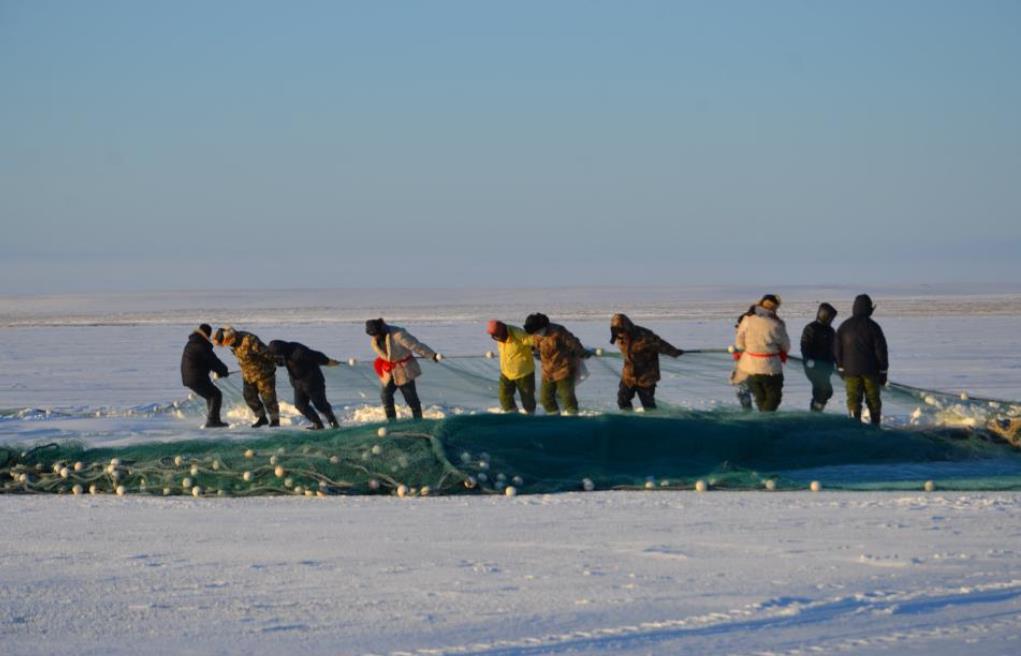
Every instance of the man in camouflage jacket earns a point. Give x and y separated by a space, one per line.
560 353
258 371
640 348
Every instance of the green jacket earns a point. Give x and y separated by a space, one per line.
256 362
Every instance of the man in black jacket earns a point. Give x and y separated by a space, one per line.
197 361
862 360
307 379
817 354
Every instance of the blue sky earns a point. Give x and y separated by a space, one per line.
179 145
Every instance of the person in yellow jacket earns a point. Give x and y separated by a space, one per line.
517 366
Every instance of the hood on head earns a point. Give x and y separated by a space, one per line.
280 348
536 322
863 306
375 327
620 323
826 313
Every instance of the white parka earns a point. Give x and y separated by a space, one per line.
399 344
761 337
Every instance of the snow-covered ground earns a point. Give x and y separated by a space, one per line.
605 572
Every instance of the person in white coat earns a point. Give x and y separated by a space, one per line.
762 345
396 365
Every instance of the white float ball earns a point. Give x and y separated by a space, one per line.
439 356
115 462
288 482
178 460
483 465
247 476
279 471
78 466
376 450
425 490
334 460
587 484
196 491
373 484
216 464
64 472
351 362
121 491
483 477
700 486
187 483
470 482
650 485
770 484
57 466
466 457
518 481
490 355
166 491
76 490
964 396
194 470
299 490
93 489
402 490
309 493
273 460
511 491
599 352
382 432
249 453
815 486
929 486
731 349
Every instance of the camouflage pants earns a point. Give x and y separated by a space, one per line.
261 396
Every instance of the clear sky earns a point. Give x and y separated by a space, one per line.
180 145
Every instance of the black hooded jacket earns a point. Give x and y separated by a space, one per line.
302 362
198 360
818 337
860 348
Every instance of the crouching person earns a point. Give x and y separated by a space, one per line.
396 365
307 379
517 366
640 348
560 353
258 372
197 362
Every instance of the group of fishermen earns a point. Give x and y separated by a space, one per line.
856 351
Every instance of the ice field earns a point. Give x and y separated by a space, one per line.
473 571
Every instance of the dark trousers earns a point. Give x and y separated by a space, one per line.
214 399
767 390
314 391
261 396
868 387
625 393
525 387
562 390
410 397
822 386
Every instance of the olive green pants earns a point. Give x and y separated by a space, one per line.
524 386
563 390
868 387
767 390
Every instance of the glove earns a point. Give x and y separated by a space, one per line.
882 378
216 376
332 363
680 352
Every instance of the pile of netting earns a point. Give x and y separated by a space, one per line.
697 439
508 454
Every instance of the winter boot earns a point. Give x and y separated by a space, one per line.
260 422
274 421
817 407
316 426
215 423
